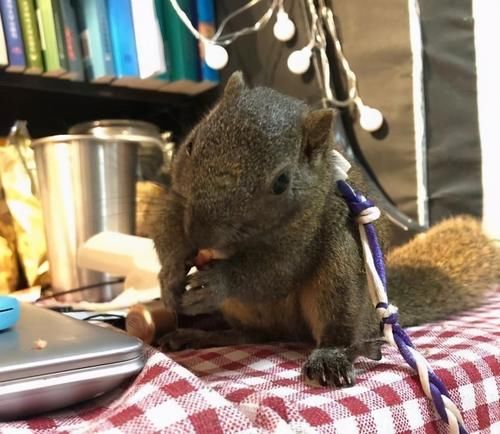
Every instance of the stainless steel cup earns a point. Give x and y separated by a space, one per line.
113 127
87 185
155 147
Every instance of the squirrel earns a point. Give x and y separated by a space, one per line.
254 181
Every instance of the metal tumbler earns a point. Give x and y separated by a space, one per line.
87 185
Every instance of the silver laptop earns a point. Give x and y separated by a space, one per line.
80 361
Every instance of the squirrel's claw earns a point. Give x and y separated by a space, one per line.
172 282
182 339
330 366
204 295
198 301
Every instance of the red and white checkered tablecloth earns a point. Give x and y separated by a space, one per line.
260 389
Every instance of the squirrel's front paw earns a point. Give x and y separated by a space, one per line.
172 278
182 339
198 301
330 366
205 293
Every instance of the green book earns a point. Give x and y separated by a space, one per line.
31 37
61 40
48 37
182 45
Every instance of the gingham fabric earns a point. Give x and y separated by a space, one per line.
260 389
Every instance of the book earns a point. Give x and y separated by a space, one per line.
159 6
48 38
59 31
96 40
13 37
122 32
182 45
149 41
72 41
4 58
31 37
206 27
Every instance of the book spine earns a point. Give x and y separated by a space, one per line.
181 43
206 26
4 58
59 31
94 32
121 27
149 43
12 28
162 28
72 40
48 37
31 36
107 49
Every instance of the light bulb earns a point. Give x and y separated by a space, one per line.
299 61
283 29
216 56
370 118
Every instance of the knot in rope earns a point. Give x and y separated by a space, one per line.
362 209
388 313
365 212
368 215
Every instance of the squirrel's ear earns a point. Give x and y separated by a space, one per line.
235 85
317 126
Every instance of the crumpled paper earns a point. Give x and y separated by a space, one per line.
9 269
18 181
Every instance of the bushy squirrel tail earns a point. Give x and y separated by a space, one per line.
443 271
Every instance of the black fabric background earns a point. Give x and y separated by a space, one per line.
380 55
375 36
261 57
453 144
376 41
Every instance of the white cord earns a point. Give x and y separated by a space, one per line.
231 37
370 119
353 96
299 61
233 15
379 295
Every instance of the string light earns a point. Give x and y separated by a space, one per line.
216 55
299 61
284 28
370 119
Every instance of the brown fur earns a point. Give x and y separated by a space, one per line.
442 271
279 320
294 268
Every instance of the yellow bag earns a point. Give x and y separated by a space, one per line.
9 271
18 179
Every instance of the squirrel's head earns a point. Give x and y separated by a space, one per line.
256 161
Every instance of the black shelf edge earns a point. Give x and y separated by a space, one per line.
45 84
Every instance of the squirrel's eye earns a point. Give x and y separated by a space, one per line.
189 148
281 183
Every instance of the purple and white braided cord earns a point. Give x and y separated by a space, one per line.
365 213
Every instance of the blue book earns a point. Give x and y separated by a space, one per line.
96 40
121 26
206 26
13 35
72 39
4 58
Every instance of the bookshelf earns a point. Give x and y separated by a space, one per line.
179 93
148 64
52 105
